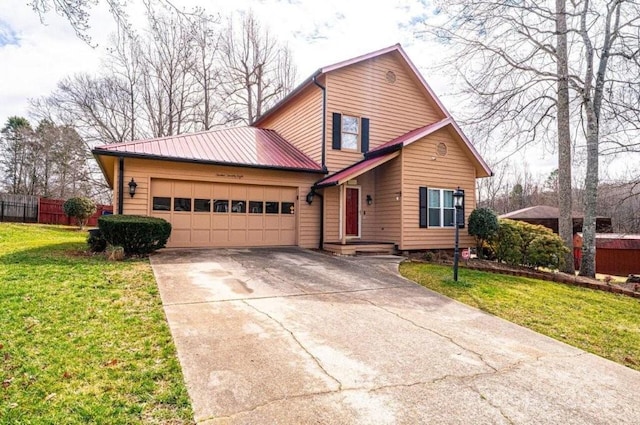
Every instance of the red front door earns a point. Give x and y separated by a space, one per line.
351 211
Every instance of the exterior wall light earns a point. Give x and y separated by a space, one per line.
458 202
132 187
369 200
309 197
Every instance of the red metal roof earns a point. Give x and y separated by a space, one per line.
410 137
355 170
248 146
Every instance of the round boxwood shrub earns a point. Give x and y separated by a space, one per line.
483 224
80 208
139 235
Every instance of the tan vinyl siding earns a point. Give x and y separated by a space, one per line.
422 166
387 208
300 122
143 171
393 109
332 214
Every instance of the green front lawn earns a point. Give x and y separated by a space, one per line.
82 340
598 322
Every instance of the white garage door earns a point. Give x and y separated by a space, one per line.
225 215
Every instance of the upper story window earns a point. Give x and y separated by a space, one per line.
350 132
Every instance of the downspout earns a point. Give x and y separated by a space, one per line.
324 156
324 123
321 244
120 184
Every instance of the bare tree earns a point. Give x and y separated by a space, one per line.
511 58
258 70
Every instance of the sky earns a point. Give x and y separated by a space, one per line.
35 55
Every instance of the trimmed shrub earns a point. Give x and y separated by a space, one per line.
135 234
507 242
521 243
97 242
483 224
80 208
547 250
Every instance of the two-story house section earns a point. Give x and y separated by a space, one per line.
362 152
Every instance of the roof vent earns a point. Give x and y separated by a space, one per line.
391 77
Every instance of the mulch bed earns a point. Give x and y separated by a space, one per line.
568 279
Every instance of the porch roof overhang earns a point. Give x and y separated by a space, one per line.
355 170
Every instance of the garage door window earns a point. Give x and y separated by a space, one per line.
255 207
220 206
161 204
202 205
238 207
182 204
271 207
287 208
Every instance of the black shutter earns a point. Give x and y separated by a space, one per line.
423 207
337 131
364 139
460 217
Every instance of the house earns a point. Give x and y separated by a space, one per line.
361 151
616 254
547 216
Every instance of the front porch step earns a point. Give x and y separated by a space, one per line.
355 248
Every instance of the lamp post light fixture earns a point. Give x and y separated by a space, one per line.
458 202
132 187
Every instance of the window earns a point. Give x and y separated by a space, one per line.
436 207
238 207
287 208
202 205
182 204
221 205
161 204
271 207
350 131
255 207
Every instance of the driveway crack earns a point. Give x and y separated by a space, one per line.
300 344
447 337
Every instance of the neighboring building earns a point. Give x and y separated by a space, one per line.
362 150
548 217
616 254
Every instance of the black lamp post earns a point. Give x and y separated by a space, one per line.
458 202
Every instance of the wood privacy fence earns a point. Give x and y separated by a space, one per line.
33 209
51 212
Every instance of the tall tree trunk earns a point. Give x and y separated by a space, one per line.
565 220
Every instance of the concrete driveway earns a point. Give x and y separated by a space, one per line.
289 336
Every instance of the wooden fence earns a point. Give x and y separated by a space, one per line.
18 208
33 209
51 212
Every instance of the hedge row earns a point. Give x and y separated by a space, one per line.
137 235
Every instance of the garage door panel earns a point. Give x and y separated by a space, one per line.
238 222
224 214
201 221
181 221
201 237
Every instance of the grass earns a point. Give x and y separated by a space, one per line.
83 340
598 322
